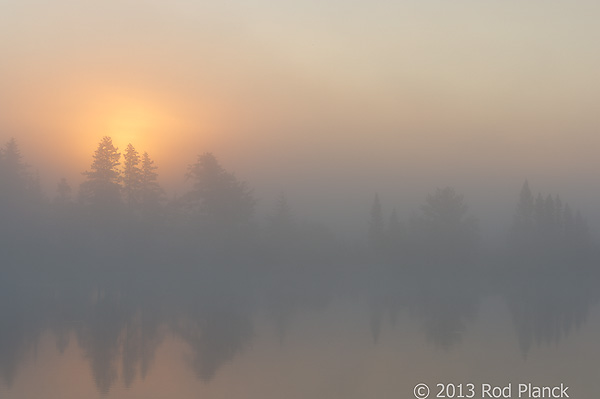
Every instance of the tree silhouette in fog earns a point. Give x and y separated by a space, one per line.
18 188
224 204
524 222
13 171
546 304
21 210
102 187
131 176
150 192
215 334
545 228
445 225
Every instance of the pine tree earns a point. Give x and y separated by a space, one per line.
14 179
448 228
150 192
221 201
524 218
131 176
102 186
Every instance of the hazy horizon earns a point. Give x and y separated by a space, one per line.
323 100
348 199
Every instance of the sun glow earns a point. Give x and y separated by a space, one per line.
129 120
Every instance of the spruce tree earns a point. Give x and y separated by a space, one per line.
131 176
102 187
150 192
221 201
524 220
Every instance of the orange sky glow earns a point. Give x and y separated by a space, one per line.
287 96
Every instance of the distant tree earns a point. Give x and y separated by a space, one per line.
63 191
102 186
150 192
131 176
555 231
223 203
14 178
523 222
376 226
448 228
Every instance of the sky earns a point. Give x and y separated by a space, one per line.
329 101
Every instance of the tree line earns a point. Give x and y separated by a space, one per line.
120 208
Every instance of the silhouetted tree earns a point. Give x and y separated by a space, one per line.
150 191
522 231
102 186
131 176
447 227
555 231
224 204
15 181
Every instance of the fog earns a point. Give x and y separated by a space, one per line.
115 270
323 199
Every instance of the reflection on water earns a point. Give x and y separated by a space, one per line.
114 325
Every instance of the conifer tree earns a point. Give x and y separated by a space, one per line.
14 179
524 216
150 192
131 176
221 201
102 187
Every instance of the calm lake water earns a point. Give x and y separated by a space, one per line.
372 334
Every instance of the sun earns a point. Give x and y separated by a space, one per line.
131 123
126 118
